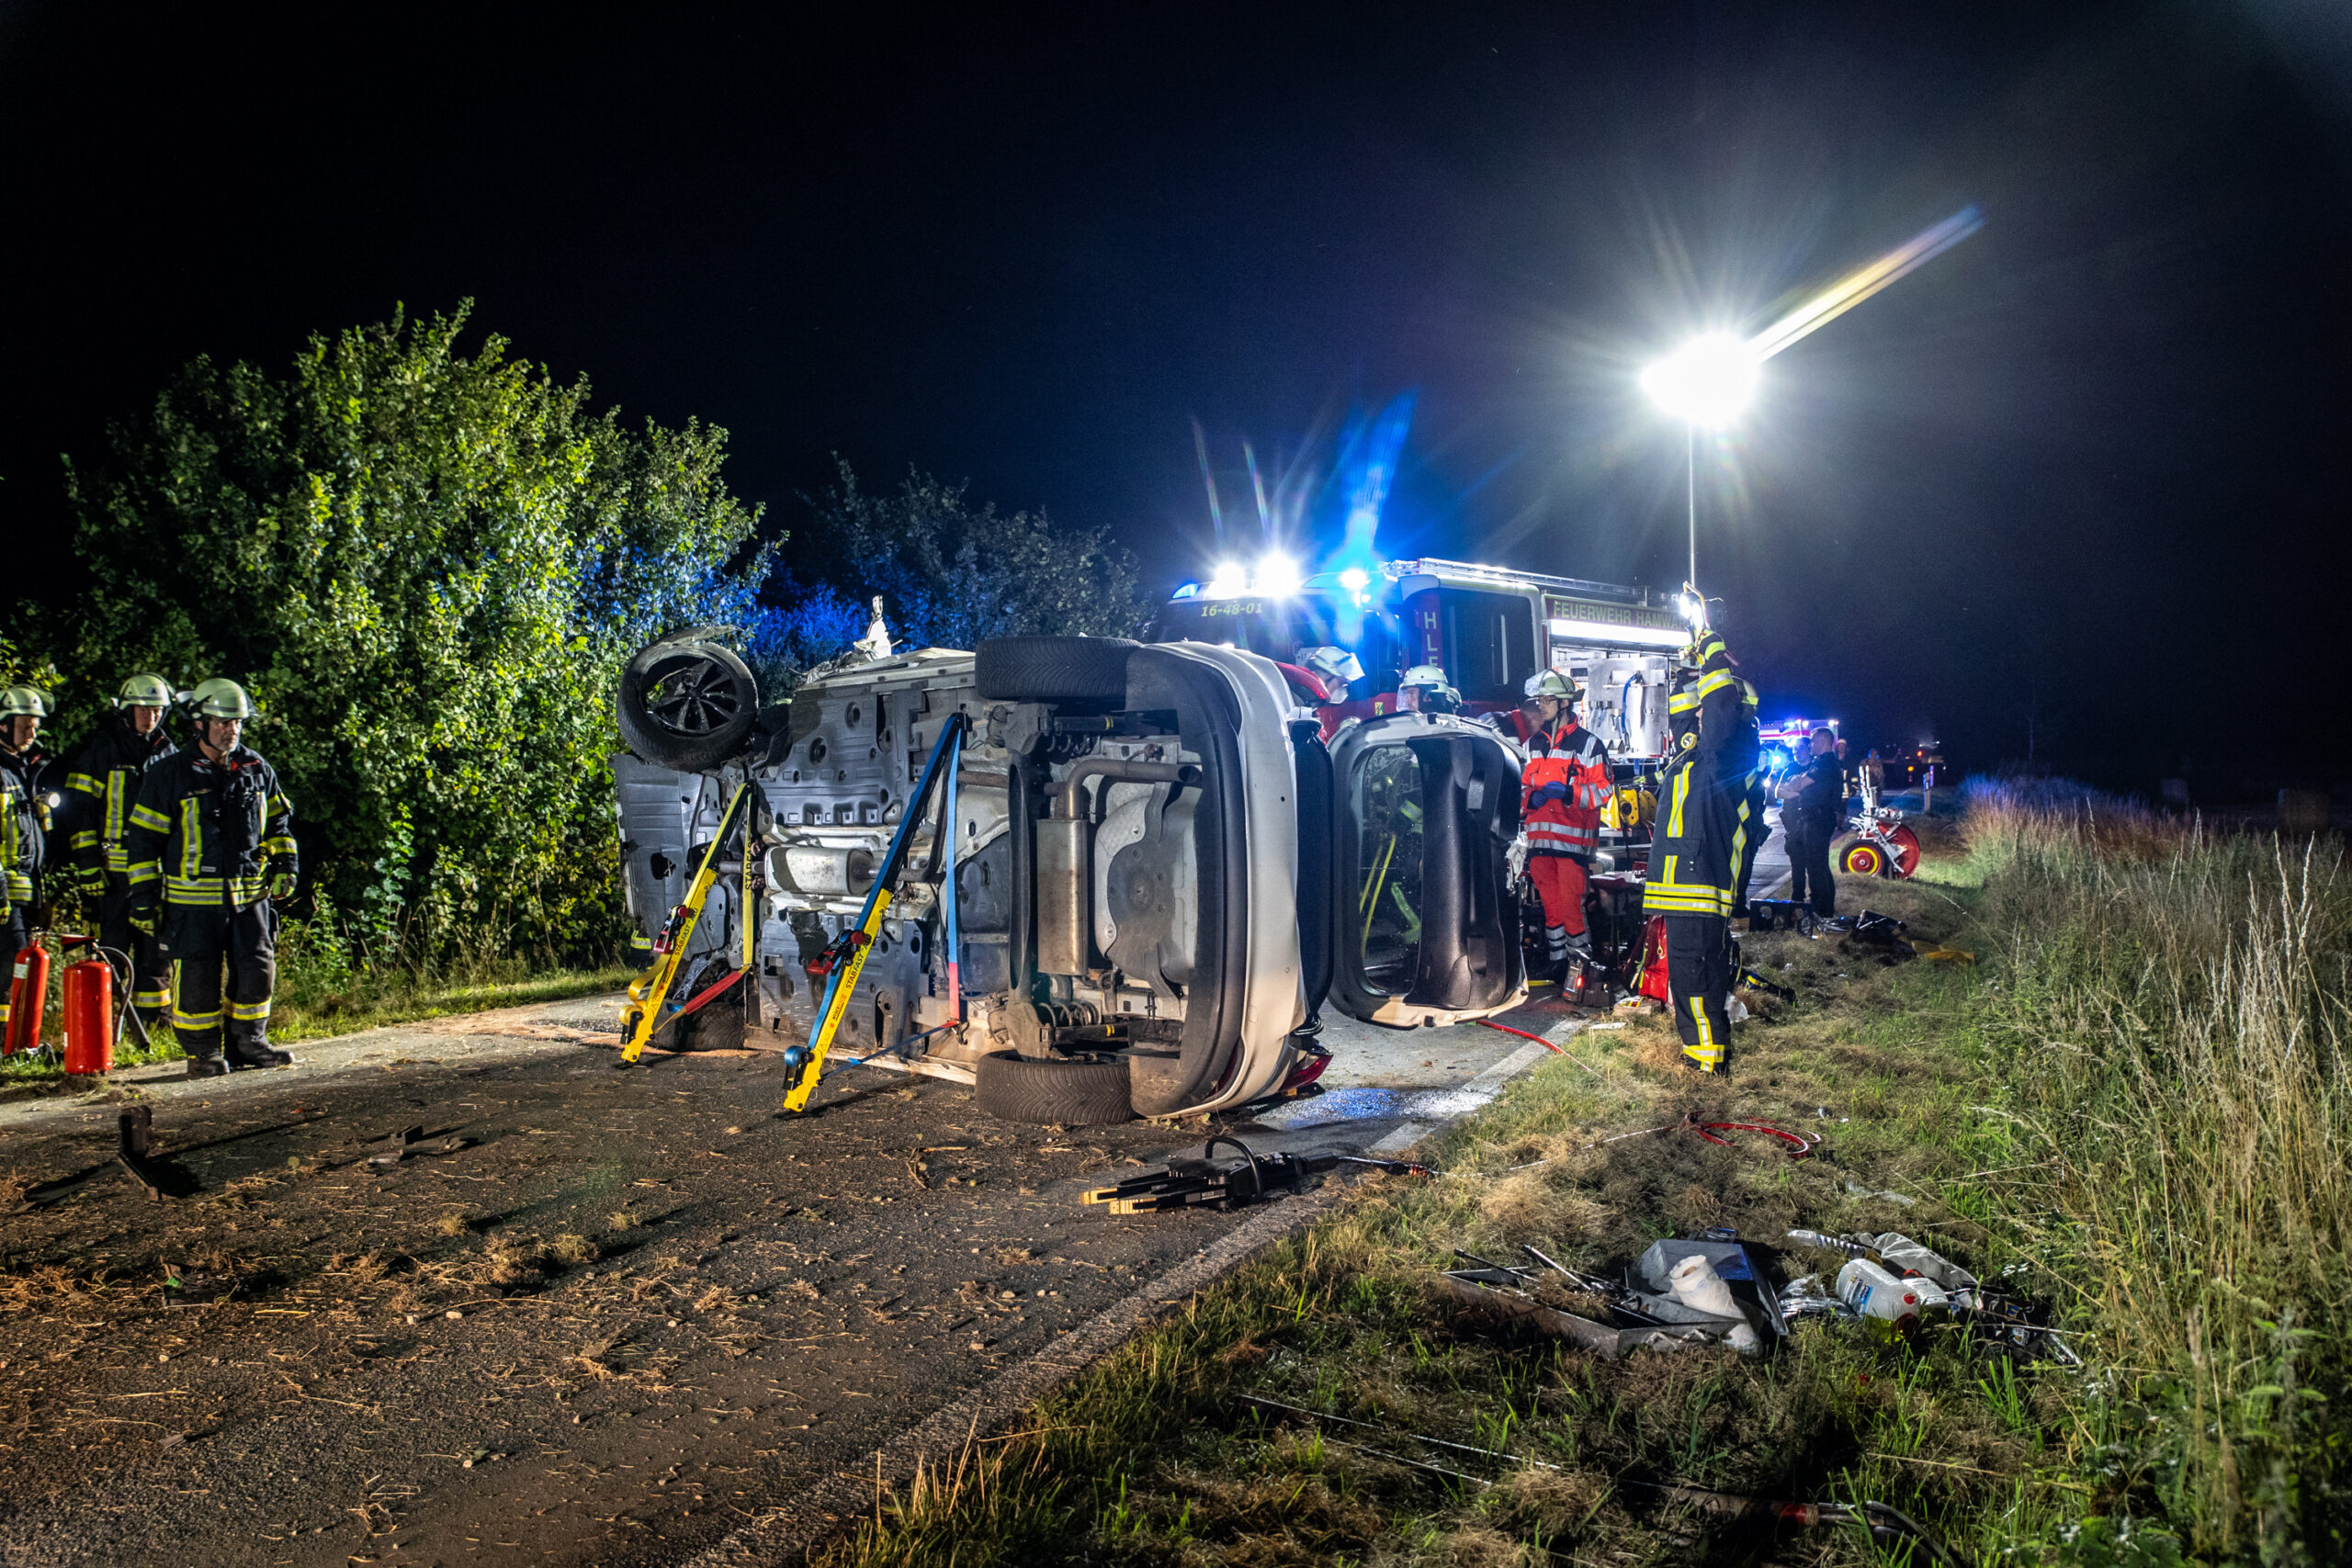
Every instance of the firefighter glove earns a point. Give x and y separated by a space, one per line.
93 880
281 884
1551 792
143 919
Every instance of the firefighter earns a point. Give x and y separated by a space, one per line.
1700 843
211 844
101 787
1423 689
1564 787
24 825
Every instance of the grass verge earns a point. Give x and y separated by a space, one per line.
2133 1100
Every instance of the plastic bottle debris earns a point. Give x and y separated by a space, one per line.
1874 1293
1897 1252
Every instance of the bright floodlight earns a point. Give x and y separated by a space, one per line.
1230 580
1355 580
1277 576
1707 381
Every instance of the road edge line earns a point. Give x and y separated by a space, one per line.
833 1505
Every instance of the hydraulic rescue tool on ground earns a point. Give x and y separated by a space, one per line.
649 995
1210 1183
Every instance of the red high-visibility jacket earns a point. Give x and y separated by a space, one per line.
1569 823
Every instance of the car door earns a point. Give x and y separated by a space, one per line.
1426 929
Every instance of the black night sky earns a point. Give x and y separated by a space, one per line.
2087 465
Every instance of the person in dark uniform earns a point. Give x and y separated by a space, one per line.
211 844
101 787
24 827
1699 844
1812 799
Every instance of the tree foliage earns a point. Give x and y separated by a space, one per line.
428 566
949 573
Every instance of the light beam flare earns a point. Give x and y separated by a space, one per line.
1860 284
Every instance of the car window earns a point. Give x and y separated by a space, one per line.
1388 904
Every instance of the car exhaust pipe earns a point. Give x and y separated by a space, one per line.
1065 851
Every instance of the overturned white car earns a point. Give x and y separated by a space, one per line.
1157 874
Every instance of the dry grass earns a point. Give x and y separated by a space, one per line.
573 1251
2137 1098
2175 1048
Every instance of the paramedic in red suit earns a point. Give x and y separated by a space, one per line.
1565 784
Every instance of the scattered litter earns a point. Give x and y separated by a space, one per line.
184 1286
1943 954
1677 1293
1799 1145
1862 1191
1908 1286
403 1140
1879 934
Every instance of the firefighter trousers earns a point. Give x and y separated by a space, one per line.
1753 827
151 977
13 941
201 942
1698 982
1559 882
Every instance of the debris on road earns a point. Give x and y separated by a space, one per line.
1207 1183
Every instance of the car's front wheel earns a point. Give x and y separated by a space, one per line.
1065 1091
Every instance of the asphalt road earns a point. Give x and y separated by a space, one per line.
601 1317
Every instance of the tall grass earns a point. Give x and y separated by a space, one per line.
2171 1050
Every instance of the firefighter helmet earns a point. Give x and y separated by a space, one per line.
1550 683
221 698
144 692
1422 675
28 702
1333 664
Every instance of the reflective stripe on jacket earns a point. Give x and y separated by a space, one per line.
101 787
209 833
1573 758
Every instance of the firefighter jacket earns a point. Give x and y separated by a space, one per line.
207 833
101 787
1563 787
24 825
1704 803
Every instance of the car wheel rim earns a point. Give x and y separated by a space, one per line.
694 697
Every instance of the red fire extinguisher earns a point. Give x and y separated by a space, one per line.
89 1016
27 997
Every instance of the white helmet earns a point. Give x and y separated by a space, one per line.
1332 663
1550 683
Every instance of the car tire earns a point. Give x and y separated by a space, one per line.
1074 1091
686 704
1053 669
